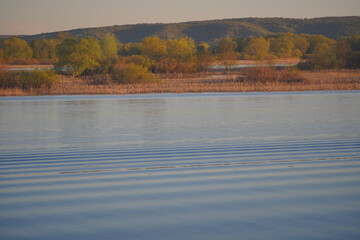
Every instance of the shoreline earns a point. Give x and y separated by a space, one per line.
329 80
216 63
6 67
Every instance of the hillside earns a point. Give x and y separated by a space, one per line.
209 31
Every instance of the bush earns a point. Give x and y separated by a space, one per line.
9 79
269 74
174 66
37 79
132 73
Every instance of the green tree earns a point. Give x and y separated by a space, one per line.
182 49
282 46
180 56
78 55
257 48
301 44
318 41
323 57
154 48
45 50
109 47
16 48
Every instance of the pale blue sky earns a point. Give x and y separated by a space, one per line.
37 16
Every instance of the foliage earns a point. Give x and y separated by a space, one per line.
348 52
138 60
171 55
226 52
204 57
257 48
109 47
270 75
78 55
16 48
1 56
182 49
287 45
37 79
130 49
154 48
318 41
180 56
9 79
45 50
323 57
132 73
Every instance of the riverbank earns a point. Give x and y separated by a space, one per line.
7 67
285 61
329 80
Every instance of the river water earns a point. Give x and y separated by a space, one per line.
187 166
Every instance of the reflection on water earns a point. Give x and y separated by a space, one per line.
204 166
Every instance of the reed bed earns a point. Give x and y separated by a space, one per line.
205 82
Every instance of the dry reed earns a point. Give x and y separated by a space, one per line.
196 83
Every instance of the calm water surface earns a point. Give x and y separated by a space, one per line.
204 166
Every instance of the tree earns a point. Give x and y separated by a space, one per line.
130 49
182 49
154 48
257 48
323 57
343 52
226 52
282 46
1 56
76 56
354 60
44 49
16 48
204 57
180 56
109 47
317 41
301 44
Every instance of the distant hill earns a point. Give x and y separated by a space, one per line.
212 30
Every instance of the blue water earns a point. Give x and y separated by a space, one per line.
187 166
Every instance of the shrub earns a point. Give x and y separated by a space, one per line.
138 60
37 79
132 73
269 74
9 79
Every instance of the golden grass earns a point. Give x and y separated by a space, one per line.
195 83
27 66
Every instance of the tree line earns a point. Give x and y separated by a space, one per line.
177 56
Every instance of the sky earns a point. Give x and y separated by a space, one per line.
23 17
